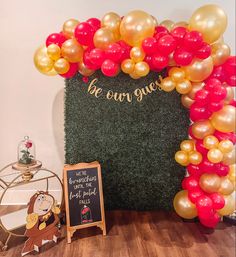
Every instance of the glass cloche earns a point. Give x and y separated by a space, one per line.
26 152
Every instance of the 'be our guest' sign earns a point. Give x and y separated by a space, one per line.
83 197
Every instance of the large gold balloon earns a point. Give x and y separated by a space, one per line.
210 20
127 66
72 50
187 145
230 158
199 70
229 207
220 53
141 69
226 186
201 129
196 86
183 206
54 52
210 183
43 62
186 101
168 84
182 158
112 21
210 142
83 70
155 21
215 155
136 26
224 120
230 94
184 86
69 28
103 38
167 24
61 66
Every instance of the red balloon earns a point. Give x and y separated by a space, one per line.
212 83
95 23
125 49
207 166
166 44
159 29
204 204
204 52
224 136
160 34
217 200
215 106
55 38
191 183
231 80
114 52
218 93
109 68
193 40
84 33
71 72
200 147
97 56
160 61
221 169
194 195
211 221
194 170
179 34
88 63
148 60
149 45
230 66
183 184
182 57
233 103
202 97
198 112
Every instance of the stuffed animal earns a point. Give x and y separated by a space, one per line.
42 222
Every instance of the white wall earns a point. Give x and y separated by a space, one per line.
31 103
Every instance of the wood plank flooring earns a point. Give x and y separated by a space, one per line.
140 234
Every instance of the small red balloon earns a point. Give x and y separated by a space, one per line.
192 183
95 23
97 56
193 41
194 170
114 52
204 52
211 220
202 97
217 200
225 135
211 83
166 44
159 61
71 72
159 29
206 166
218 93
221 169
55 38
110 68
215 106
204 204
230 66
87 61
217 73
198 112
183 57
84 33
179 34
231 80
125 49
194 195
200 147
149 45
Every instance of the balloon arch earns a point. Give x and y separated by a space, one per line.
199 67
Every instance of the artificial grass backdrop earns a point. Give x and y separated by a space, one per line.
134 142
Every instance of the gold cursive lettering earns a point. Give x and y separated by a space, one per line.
93 89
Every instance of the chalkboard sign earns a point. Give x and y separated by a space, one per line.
83 197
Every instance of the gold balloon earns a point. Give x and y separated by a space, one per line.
136 26
167 24
141 69
220 53
61 66
103 38
183 206
155 21
137 54
229 207
180 24
210 142
133 75
201 129
43 62
226 146
83 70
184 86
182 158
210 20
196 86
215 155
167 84
127 66
186 101
187 145
54 52
195 157
210 183
199 70
230 94
226 186
112 21
72 50
232 174
229 158
224 120
177 74
69 28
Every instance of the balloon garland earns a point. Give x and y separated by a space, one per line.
200 68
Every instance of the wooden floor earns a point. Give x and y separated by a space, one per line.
140 234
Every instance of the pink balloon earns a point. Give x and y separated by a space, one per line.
217 200
95 23
97 56
198 112
114 52
193 41
149 45
202 97
204 52
194 195
160 61
71 72
182 57
200 147
109 68
221 169
179 34
166 44
55 38
84 33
